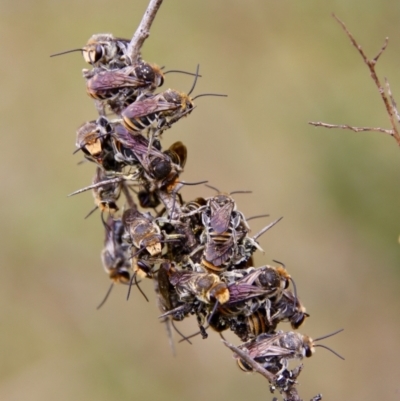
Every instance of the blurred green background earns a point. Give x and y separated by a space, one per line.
282 63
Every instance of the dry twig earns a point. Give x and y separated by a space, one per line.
143 30
290 394
391 107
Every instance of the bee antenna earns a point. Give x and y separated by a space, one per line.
68 51
99 184
91 212
195 80
329 349
102 218
215 189
265 229
191 183
329 335
134 278
257 217
183 72
184 338
241 192
294 291
191 336
279 263
106 296
214 309
210 94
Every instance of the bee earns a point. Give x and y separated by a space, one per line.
205 287
253 294
106 196
167 299
225 239
274 351
119 88
196 291
103 50
115 256
156 113
141 231
148 199
248 245
93 138
289 308
159 169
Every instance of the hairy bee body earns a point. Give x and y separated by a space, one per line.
289 308
205 287
106 51
119 88
158 169
157 111
115 256
141 231
275 350
225 228
95 141
106 195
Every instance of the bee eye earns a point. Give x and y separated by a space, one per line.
124 276
93 54
308 351
161 168
98 53
161 80
297 321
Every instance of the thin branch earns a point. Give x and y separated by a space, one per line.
355 129
255 366
371 66
394 104
143 30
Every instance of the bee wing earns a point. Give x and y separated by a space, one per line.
164 289
243 292
266 347
108 80
221 218
250 278
124 41
147 106
217 253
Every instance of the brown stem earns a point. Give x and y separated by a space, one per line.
143 30
355 129
371 66
256 366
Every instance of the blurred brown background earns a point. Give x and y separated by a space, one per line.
282 63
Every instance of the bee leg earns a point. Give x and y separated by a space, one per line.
100 107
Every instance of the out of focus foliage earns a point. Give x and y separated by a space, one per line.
282 63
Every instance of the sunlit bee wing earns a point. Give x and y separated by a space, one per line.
112 81
139 145
220 220
266 347
243 292
249 278
147 106
181 278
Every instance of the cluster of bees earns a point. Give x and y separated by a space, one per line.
198 253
